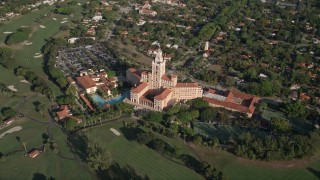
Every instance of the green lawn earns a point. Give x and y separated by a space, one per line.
31 133
237 169
17 166
144 160
48 163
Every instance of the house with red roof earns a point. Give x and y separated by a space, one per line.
87 84
8 120
34 153
64 112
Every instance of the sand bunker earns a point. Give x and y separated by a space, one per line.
12 130
63 22
12 88
115 132
29 43
38 56
54 19
42 26
64 18
7 32
24 81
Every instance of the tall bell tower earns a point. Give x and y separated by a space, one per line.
158 70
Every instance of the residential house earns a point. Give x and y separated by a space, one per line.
8 120
34 153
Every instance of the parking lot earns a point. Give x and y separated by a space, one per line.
72 61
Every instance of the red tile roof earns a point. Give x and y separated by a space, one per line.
163 95
76 119
166 78
8 120
135 72
304 96
34 153
64 112
64 107
85 100
86 82
140 87
181 85
247 105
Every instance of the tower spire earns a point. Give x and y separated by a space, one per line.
159 56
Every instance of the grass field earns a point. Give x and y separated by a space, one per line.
47 163
239 169
24 54
16 166
144 160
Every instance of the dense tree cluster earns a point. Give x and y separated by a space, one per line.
295 109
8 112
98 157
50 51
6 58
279 147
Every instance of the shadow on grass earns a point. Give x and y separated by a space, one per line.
313 171
78 145
40 176
122 173
130 133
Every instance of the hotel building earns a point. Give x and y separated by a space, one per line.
156 90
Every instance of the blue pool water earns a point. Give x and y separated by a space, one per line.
101 102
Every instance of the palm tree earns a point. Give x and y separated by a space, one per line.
24 144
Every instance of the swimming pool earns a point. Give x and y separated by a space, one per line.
101 102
